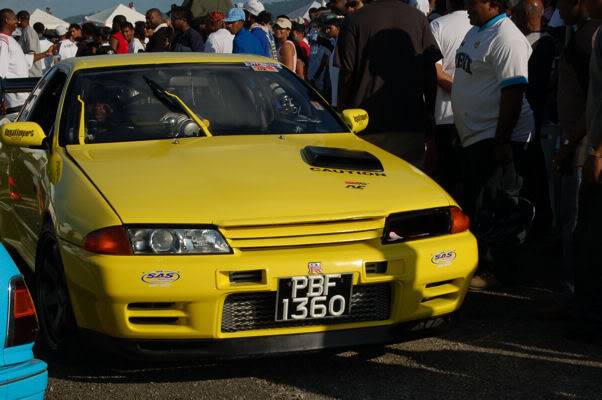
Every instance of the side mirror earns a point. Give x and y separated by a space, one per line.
356 119
22 134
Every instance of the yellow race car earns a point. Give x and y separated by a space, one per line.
217 206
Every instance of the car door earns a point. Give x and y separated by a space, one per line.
27 166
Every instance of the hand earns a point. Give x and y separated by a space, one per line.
503 153
592 170
564 159
51 51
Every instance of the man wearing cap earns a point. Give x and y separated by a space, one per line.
244 41
220 39
67 45
252 9
13 62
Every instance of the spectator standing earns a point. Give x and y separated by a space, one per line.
264 19
333 29
588 266
252 9
220 40
573 81
493 118
30 42
89 41
45 44
13 62
67 45
321 48
244 42
162 34
387 54
299 36
104 40
186 38
119 44
138 41
127 30
528 17
449 32
287 51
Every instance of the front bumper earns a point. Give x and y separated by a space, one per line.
111 296
277 345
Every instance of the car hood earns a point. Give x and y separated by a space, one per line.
245 180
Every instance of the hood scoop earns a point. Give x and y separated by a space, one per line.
331 157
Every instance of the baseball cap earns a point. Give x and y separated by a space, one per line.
216 16
283 23
61 30
235 14
254 7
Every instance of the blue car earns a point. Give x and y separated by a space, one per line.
21 375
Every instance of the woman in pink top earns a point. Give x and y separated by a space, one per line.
118 42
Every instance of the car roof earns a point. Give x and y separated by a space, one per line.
120 60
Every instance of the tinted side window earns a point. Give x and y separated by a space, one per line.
46 104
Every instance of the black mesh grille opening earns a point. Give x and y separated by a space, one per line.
249 311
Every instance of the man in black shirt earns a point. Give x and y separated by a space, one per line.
387 54
162 34
186 39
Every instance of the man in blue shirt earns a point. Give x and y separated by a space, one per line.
252 10
244 41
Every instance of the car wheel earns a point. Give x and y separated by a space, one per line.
57 323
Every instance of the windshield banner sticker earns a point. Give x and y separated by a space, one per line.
263 66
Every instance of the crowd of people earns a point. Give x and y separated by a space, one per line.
497 100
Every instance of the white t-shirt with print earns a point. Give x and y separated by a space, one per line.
491 57
449 32
67 50
14 64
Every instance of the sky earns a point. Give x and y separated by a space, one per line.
69 8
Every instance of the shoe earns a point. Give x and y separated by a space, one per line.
484 281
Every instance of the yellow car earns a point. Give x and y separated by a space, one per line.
217 206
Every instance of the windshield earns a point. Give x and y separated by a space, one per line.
229 99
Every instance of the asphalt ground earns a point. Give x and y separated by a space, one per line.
500 348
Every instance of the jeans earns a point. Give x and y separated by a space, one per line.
568 212
588 263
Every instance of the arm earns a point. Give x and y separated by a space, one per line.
114 44
431 55
288 56
511 104
444 80
346 59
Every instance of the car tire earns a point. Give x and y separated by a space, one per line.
58 329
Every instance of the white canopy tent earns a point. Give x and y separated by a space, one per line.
105 17
303 12
49 20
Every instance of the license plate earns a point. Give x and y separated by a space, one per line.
314 297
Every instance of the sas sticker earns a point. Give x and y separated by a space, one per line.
444 258
160 278
263 66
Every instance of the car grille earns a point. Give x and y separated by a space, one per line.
249 311
303 234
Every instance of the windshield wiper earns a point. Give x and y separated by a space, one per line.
175 104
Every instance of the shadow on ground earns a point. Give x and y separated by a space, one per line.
499 349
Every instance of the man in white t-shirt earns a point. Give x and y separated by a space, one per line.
491 113
449 31
13 62
68 45
220 40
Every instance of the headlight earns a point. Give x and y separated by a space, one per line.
177 241
414 225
